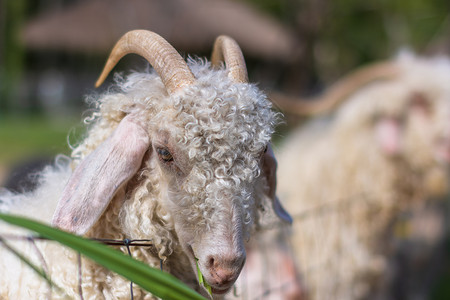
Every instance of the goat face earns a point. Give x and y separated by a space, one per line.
409 117
212 159
208 152
418 131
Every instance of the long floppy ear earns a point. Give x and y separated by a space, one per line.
270 170
100 176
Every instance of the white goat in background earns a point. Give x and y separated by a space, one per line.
183 159
362 183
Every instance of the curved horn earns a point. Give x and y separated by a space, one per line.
226 49
338 92
169 64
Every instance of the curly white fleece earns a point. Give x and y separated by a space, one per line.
222 127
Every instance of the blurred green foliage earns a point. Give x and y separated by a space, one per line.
361 31
340 35
23 137
12 52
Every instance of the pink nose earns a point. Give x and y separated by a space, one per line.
225 271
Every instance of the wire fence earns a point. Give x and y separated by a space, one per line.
110 242
270 281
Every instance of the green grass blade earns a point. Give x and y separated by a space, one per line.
160 284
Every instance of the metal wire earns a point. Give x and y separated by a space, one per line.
320 210
110 242
43 263
127 244
80 277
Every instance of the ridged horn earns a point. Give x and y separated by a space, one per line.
227 50
166 61
337 93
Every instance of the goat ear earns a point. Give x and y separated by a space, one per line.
388 135
270 169
100 176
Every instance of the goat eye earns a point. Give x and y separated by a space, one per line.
164 154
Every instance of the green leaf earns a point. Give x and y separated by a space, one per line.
160 284
201 280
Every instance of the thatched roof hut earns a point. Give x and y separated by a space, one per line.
190 25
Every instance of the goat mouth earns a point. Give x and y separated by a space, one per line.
214 290
220 292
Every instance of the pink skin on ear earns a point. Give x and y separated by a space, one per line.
100 176
388 135
270 169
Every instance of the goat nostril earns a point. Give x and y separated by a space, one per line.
211 262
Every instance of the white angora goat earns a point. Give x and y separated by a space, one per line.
360 184
180 156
